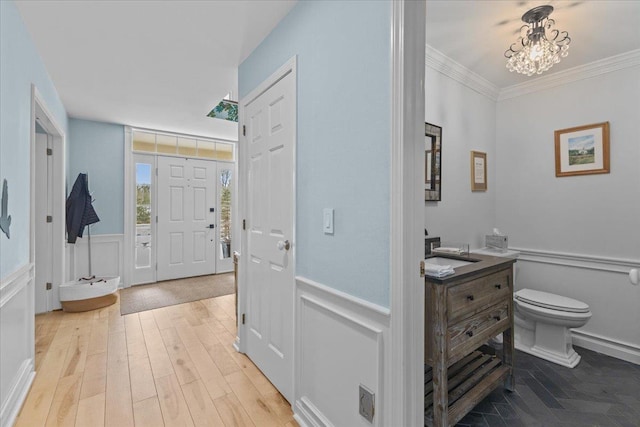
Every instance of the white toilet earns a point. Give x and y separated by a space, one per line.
542 323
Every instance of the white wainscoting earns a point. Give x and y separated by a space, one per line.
106 255
16 342
341 342
601 282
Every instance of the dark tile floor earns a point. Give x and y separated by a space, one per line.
600 391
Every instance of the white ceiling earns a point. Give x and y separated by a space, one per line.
476 33
165 64
155 64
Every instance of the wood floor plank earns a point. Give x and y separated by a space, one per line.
203 411
91 411
147 413
119 406
77 354
280 407
225 363
186 333
182 364
65 402
232 412
94 380
99 337
142 384
161 316
252 401
209 373
136 346
175 411
158 357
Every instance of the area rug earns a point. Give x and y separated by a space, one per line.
172 292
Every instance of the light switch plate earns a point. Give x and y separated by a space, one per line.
367 403
327 221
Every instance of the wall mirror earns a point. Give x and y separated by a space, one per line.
433 162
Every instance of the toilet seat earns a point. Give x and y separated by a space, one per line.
549 301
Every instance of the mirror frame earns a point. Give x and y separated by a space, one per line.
433 163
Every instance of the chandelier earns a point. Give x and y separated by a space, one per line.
539 46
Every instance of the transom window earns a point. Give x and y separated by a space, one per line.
181 145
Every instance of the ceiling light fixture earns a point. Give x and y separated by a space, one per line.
539 46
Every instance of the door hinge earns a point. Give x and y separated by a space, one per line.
49 218
48 286
156 171
421 268
156 218
49 151
244 130
243 318
244 224
156 266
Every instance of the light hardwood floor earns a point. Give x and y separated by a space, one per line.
169 366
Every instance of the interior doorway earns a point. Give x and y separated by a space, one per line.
47 205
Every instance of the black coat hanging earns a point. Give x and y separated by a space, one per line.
80 212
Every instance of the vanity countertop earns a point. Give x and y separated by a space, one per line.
481 265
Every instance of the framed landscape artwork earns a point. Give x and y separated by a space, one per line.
582 150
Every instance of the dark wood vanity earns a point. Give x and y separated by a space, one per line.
462 312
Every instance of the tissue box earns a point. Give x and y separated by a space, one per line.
496 242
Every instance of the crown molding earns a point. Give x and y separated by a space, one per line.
593 69
438 61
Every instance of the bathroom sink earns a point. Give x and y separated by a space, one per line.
454 263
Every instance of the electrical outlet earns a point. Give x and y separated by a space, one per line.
367 403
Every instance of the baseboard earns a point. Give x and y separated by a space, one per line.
308 415
618 349
18 392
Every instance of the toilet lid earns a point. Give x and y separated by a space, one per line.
551 301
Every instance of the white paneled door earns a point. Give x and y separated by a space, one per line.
270 124
43 227
186 217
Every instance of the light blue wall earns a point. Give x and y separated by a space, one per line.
97 148
344 137
20 66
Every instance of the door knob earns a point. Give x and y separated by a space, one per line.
283 245
211 226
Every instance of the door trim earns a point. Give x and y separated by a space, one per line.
289 67
49 123
405 375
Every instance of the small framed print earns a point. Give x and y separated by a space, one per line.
478 171
582 150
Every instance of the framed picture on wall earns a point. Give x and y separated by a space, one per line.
478 171
582 150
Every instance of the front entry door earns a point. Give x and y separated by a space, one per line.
186 217
270 124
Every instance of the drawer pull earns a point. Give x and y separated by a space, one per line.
497 286
469 297
470 333
497 318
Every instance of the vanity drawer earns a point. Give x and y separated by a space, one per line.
470 333
470 297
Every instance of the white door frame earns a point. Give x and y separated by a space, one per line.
407 213
130 196
40 111
290 67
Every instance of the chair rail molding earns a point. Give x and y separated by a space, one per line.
591 262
